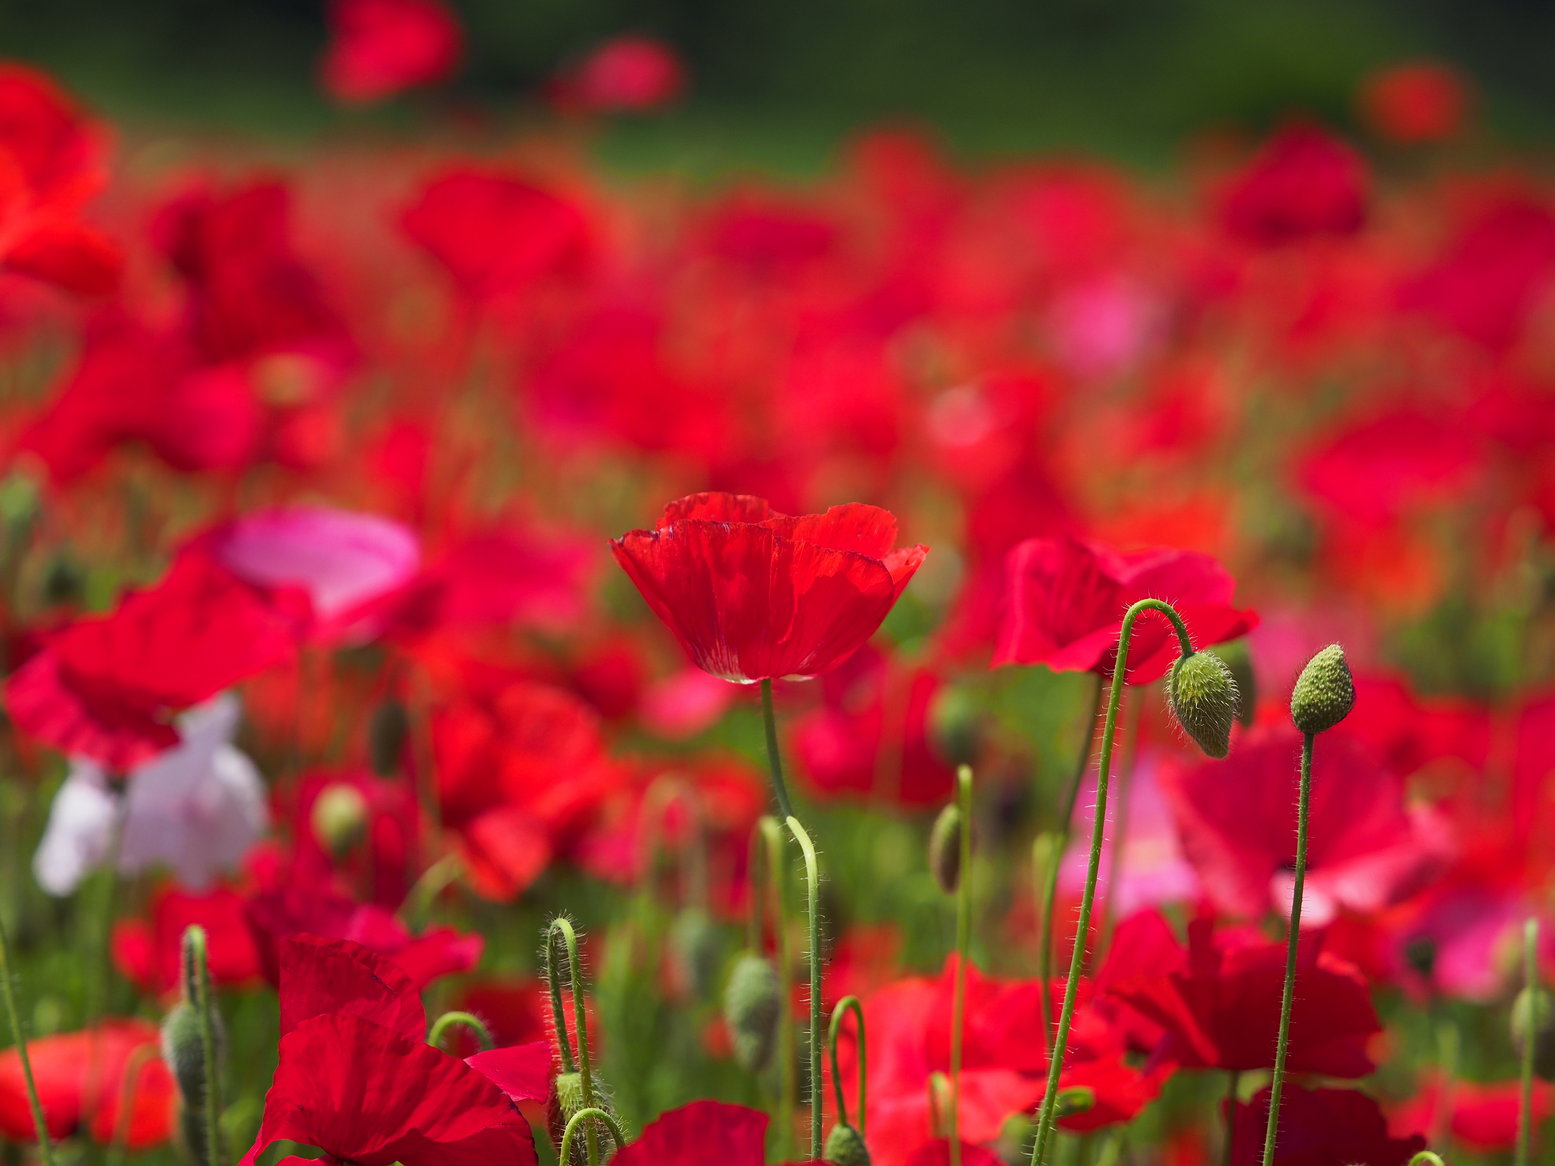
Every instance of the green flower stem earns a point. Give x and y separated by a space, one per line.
813 911
1427 1158
1282 1043
963 944
774 759
768 841
1233 1086
844 1006
198 975
1448 1048
592 1114
1046 1115
13 1017
1133 713
561 929
1055 859
469 1020
1531 984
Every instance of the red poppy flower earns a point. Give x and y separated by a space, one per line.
357 1079
1304 183
148 951
1368 850
753 595
81 1083
1320 1127
382 47
1067 596
633 73
107 686
704 1133
1217 1002
1484 1117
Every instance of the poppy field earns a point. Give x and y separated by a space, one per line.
1016 662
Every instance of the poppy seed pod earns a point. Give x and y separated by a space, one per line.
1204 699
1533 1019
1324 692
845 1147
753 1006
945 849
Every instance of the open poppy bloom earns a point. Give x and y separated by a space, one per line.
1320 1126
81 1079
380 47
357 1079
1066 598
755 595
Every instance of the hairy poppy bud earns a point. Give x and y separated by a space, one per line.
339 818
845 1147
753 1006
1324 692
566 1101
1533 1019
1204 700
183 1052
387 732
945 849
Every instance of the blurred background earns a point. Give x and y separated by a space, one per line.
775 85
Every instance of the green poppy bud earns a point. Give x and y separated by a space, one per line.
696 952
1205 700
753 1008
1324 692
845 1147
1533 1019
945 849
339 818
566 1101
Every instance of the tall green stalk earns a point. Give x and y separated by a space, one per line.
1530 1042
963 944
19 1035
561 929
1046 1115
1292 943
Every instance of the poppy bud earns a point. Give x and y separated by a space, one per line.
387 732
696 952
1075 1100
339 818
566 1101
945 849
183 1052
955 725
753 1006
63 581
1533 1019
845 1147
1240 661
1324 692
1204 700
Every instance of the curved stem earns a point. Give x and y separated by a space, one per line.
813 911
198 984
774 761
1055 858
591 1114
562 928
469 1020
1427 1158
844 1006
1046 1115
1531 986
963 943
13 1017
1291 944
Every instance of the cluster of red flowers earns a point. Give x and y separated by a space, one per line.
311 638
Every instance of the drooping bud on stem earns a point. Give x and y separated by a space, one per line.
1324 692
577 1087
753 1009
1205 701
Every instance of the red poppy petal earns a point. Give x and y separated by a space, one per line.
716 507
340 978
704 1133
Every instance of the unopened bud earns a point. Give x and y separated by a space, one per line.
387 731
1533 1019
1205 700
696 951
184 1052
945 849
845 1147
339 818
566 1101
1324 692
1075 1100
753 1008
